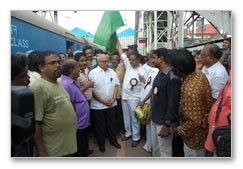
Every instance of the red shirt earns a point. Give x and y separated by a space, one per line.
222 119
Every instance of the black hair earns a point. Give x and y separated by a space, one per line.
18 62
99 51
78 55
67 67
70 55
161 52
197 52
142 59
43 55
182 60
214 50
115 53
138 56
33 61
228 39
59 54
86 48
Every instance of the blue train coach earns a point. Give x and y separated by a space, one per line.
30 31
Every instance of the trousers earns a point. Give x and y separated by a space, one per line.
162 146
82 143
132 125
148 144
104 120
194 153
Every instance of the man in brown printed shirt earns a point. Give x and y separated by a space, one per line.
195 103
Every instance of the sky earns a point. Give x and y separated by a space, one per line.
89 20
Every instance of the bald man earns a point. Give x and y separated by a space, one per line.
213 69
70 71
104 101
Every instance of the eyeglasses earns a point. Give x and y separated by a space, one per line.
52 63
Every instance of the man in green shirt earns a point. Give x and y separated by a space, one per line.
55 134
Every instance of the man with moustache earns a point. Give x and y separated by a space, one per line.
55 134
83 81
131 90
70 72
103 102
19 70
164 104
215 72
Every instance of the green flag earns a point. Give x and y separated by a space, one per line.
106 32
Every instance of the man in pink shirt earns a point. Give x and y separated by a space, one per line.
223 114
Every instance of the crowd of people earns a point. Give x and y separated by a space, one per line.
98 92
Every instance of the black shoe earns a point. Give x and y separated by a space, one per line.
90 152
102 149
115 144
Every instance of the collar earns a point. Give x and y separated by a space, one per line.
99 69
82 71
167 70
211 68
68 79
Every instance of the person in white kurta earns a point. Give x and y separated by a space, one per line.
144 92
131 93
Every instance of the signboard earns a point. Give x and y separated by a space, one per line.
142 41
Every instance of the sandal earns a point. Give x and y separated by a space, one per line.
124 138
134 143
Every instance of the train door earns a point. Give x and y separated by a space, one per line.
70 48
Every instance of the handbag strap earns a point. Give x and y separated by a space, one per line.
219 109
220 104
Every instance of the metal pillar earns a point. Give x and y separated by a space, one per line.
136 26
180 29
155 29
169 27
175 29
150 31
158 27
55 17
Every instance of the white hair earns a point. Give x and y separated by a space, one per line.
99 56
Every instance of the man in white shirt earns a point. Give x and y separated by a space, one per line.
131 90
103 101
213 69
145 98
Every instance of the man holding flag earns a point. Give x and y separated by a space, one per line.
106 32
131 90
106 36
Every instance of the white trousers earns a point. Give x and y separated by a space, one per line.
162 146
132 125
194 153
148 144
